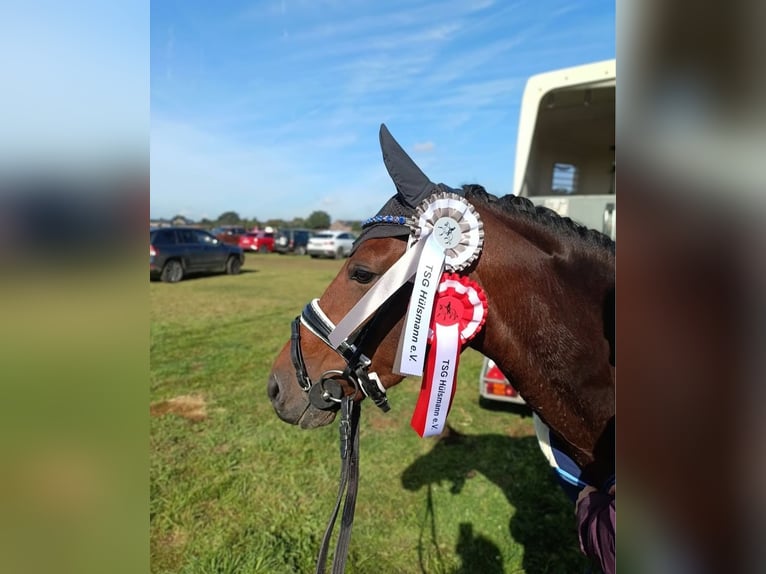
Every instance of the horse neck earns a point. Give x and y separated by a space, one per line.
545 327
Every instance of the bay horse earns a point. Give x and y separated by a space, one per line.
550 288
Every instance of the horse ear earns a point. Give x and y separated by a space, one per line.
411 183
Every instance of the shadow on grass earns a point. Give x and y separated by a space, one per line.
543 523
477 551
521 410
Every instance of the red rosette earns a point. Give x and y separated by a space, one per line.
460 309
460 300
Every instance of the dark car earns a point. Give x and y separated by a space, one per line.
292 241
229 234
178 251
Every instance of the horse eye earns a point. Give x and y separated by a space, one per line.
361 275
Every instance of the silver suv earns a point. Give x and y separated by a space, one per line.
335 244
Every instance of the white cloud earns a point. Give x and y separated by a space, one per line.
424 147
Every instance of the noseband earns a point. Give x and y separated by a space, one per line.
327 393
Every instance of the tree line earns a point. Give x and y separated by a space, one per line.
317 220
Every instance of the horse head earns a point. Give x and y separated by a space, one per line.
381 243
550 288
368 263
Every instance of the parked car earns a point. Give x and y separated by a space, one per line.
261 241
175 252
334 244
248 240
229 234
293 241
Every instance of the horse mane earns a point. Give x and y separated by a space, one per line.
522 206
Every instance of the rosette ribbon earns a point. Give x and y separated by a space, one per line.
453 235
459 313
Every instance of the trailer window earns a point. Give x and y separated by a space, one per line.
564 179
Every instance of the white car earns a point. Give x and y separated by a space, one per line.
335 244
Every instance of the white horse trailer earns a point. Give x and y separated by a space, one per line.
565 161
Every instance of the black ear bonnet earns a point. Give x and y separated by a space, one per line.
412 187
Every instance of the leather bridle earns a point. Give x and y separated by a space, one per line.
326 394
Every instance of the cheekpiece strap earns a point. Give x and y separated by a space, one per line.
296 355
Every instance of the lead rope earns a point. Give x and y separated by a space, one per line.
349 485
430 514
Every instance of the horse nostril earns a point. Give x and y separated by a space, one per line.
273 388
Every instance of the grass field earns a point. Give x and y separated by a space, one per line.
234 489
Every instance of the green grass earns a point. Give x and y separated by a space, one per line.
241 491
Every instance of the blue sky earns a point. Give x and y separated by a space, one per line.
272 108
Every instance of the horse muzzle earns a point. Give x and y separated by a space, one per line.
294 407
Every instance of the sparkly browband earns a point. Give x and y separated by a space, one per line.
398 219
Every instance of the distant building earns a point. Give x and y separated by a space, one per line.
340 226
179 221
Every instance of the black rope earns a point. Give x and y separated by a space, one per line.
349 506
349 486
430 514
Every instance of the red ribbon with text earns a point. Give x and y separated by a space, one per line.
460 310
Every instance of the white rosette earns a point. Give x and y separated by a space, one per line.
456 226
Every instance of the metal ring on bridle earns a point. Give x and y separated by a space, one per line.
340 375
356 372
